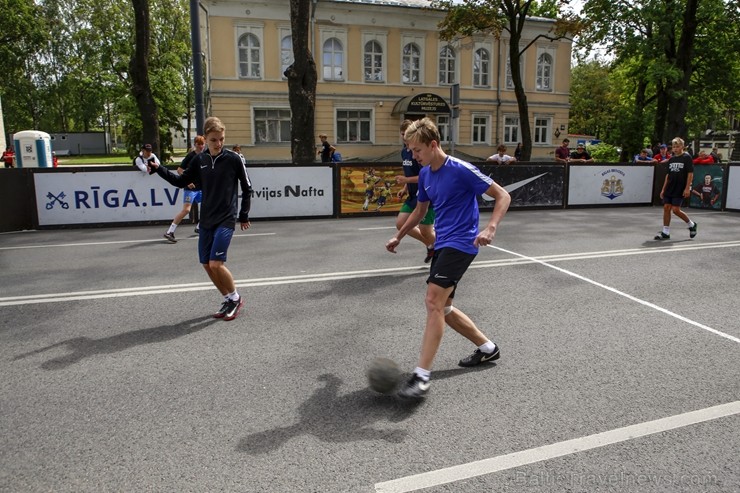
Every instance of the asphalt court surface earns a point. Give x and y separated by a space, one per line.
620 367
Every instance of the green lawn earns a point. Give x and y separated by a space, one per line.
104 160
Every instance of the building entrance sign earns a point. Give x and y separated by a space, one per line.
421 103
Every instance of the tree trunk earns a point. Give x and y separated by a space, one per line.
139 73
302 80
661 112
678 100
521 95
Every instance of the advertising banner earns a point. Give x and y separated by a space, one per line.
610 184
291 191
529 185
105 197
369 190
707 187
67 198
733 187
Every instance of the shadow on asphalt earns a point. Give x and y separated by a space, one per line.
84 347
334 417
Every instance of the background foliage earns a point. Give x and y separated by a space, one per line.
66 67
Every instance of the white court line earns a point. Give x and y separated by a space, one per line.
504 462
546 452
330 276
620 293
117 242
376 228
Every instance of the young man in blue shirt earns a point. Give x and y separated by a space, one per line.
453 186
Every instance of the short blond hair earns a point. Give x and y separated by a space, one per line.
423 131
213 124
678 140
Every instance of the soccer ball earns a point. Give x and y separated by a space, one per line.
383 375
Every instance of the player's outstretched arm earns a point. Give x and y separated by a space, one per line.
503 199
413 220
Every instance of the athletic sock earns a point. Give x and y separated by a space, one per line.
423 374
233 296
172 228
487 347
691 223
666 230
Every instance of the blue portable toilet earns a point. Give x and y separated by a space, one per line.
32 149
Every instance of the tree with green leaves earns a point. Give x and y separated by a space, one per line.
23 31
593 100
302 79
673 58
493 17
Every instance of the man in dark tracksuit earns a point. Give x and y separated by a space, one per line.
218 172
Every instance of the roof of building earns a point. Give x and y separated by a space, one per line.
392 3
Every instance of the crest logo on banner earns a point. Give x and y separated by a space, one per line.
613 186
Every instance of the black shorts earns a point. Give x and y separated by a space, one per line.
448 267
672 200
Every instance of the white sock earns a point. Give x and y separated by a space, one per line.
487 347
691 223
666 230
233 296
172 228
423 374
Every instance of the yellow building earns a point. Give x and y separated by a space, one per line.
378 62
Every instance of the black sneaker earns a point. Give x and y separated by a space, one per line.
430 255
170 237
662 236
479 357
233 308
197 230
414 388
221 313
692 231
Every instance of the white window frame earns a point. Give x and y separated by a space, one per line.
269 107
371 123
285 32
382 40
448 60
444 127
341 36
541 52
508 127
257 30
418 40
537 130
483 129
486 72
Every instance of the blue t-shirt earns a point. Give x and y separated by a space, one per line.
454 189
